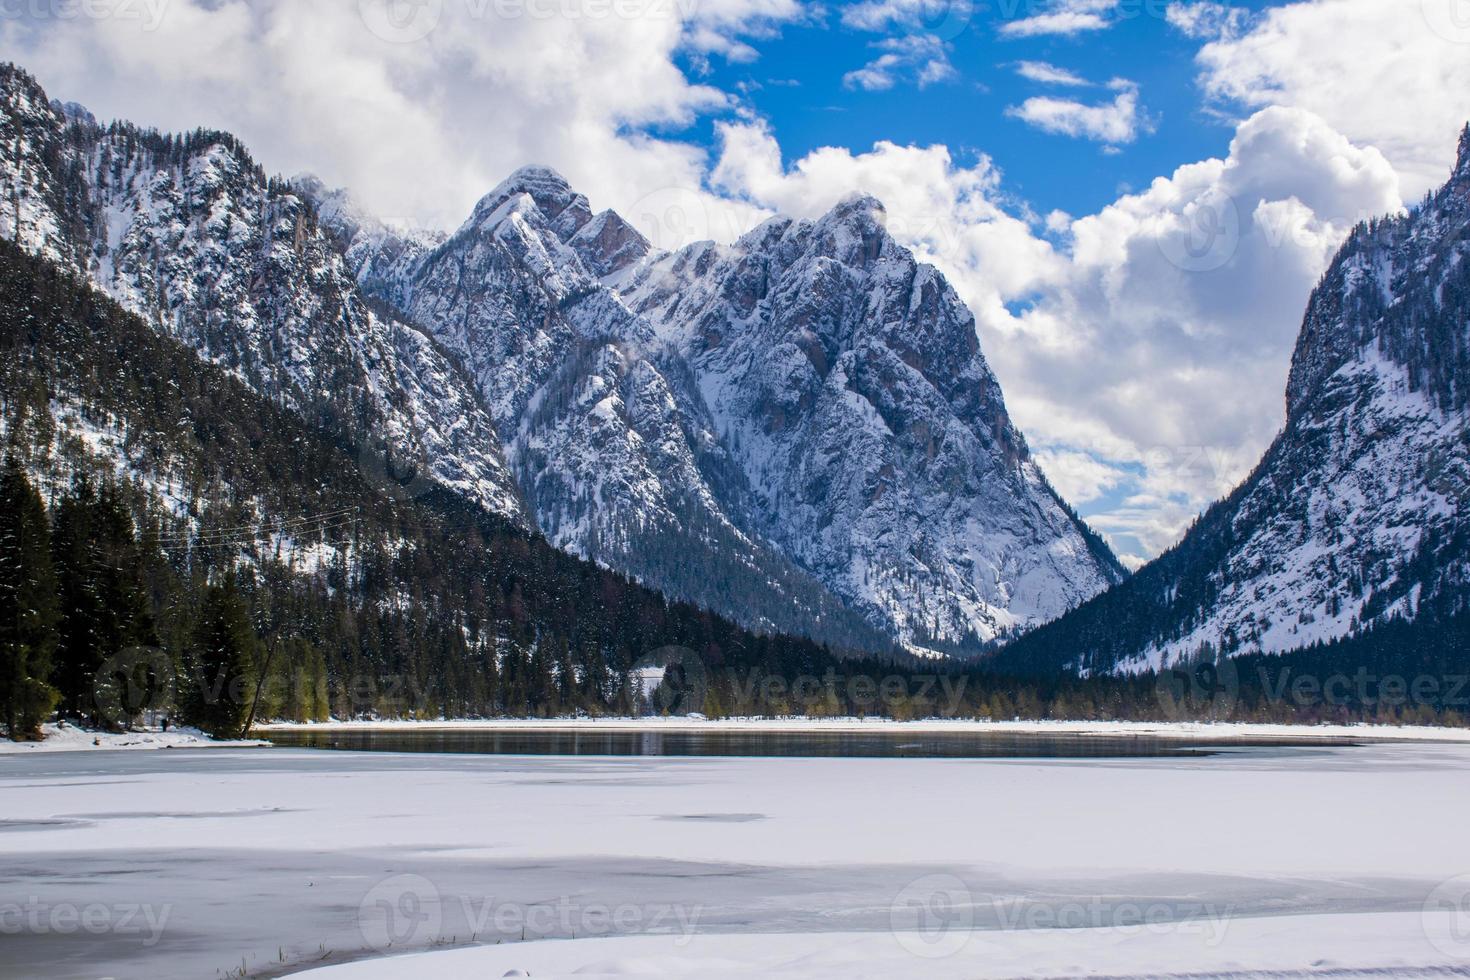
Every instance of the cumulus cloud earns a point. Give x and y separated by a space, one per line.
1065 17
1172 325
1143 349
922 57
418 116
1395 75
1112 122
1049 74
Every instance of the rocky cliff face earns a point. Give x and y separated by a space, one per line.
1358 511
190 233
846 378
798 430
811 395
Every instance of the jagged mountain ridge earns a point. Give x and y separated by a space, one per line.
602 426
191 234
715 399
253 274
511 331
848 379
1359 512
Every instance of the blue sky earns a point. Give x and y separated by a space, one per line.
1137 246
968 111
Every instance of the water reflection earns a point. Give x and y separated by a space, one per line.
932 745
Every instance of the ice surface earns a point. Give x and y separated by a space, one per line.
270 859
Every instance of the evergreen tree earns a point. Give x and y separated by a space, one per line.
28 607
220 679
104 606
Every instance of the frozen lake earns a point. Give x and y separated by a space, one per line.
196 863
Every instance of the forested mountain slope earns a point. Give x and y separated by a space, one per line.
1359 513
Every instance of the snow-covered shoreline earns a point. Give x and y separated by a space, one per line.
65 737
1188 731
1341 946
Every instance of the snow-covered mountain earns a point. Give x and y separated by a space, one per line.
1360 509
797 430
846 378
190 233
811 397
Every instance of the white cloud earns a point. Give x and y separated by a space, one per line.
1066 17
418 128
1391 73
944 18
1165 343
1049 74
1109 122
923 57
1206 19
1077 476
1143 349
1149 356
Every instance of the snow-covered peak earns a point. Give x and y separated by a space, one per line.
564 209
75 112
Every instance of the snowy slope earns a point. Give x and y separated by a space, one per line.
812 396
603 427
799 431
190 233
1360 509
848 381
